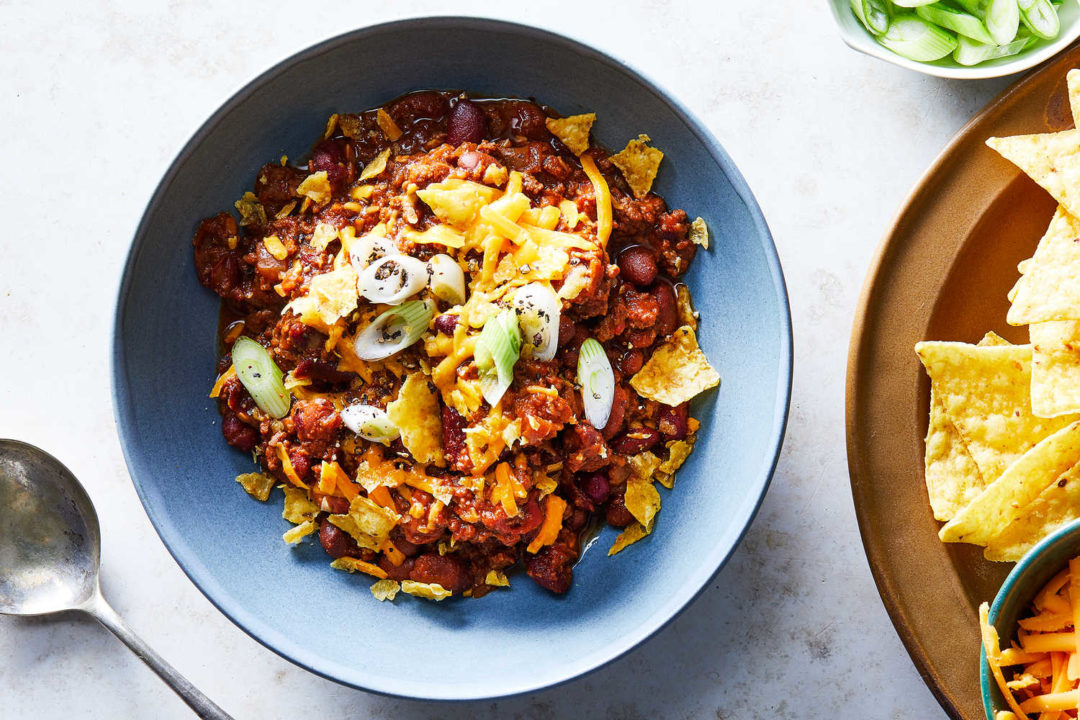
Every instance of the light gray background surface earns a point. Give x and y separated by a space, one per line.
95 100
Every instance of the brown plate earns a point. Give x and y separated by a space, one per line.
941 273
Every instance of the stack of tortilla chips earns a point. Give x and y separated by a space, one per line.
1003 447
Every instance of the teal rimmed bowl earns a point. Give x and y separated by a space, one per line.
1014 598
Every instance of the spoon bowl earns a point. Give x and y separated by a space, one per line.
50 552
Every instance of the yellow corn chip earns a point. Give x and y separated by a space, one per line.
385 590
992 339
296 534
417 415
687 315
1073 80
1055 367
643 465
678 452
986 392
275 247
316 186
1057 506
436 234
333 295
642 500
627 537
699 233
368 523
639 164
1007 497
952 477
351 564
298 506
431 591
376 166
323 235
250 209
496 579
572 131
257 485
1049 289
676 372
387 125
1050 159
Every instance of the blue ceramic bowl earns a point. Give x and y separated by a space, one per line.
230 545
1014 598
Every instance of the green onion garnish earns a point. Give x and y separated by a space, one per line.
394 330
597 382
446 279
1003 20
968 52
370 422
1040 17
497 350
911 3
261 376
958 21
873 14
912 37
538 309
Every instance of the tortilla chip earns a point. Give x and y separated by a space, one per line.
298 506
676 372
1057 506
639 164
275 247
376 166
678 452
257 485
1055 367
1050 159
1050 289
1073 80
385 590
431 591
457 202
952 478
1007 497
351 564
572 131
986 392
323 235
417 415
386 123
643 465
250 209
642 500
496 578
992 339
296 534
699 233
627 537
687 315
316 186
334 294
369 524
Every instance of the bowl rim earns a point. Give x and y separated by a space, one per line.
573 669
860 41
1011 585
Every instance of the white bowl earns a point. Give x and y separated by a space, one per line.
858 38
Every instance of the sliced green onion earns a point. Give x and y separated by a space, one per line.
446 279
911 3
261 376
394 330
393 279
370 422
960 22
968 52
873 14
1040 17
597 382
538 309
368 248
497 350
915 39
1002 20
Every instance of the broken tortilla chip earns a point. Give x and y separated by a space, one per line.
699 233
431 591
638 163
296 534
1055 367
376 166
572 131
416 413
627 537
368 523
316 186
298 506
257 485
351 564
1006 499
1049 289
1073 80
642 500
385 590
1050 159
677 371
1056 506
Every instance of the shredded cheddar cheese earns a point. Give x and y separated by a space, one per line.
603 199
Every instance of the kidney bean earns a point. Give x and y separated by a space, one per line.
409 549
667 316
333 504
577 519
397 572
320 370
453 425
672 421
630 361
446 323
467 123
552 568
637 265
336 542
238 433
636 441
618 412
225 276
530 121
528 519
616 513
418 105
446 570
595 486
566 330
328 157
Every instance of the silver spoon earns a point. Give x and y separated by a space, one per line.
50 549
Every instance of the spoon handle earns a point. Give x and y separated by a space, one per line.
203 706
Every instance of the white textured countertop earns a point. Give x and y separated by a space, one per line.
97 98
